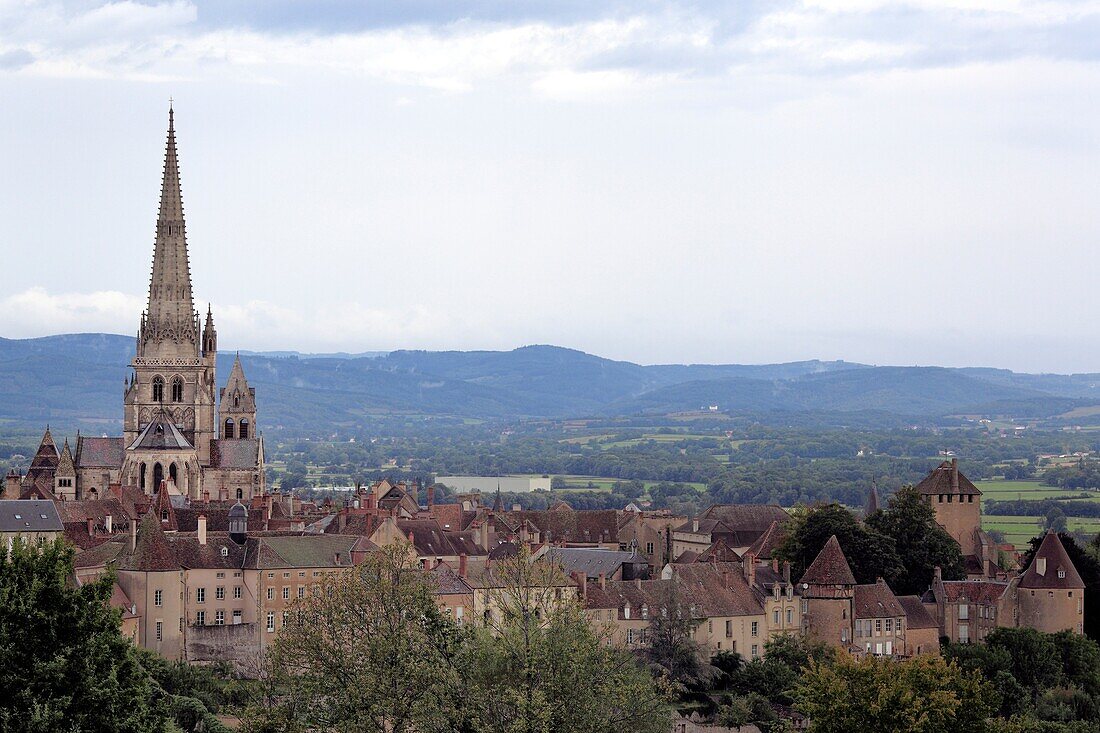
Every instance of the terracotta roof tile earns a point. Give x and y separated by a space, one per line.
830 567
916 615
876 600
1059 571
941 481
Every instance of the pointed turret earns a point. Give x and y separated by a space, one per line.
43 466
65 475
209 335
830 567
170 324
872 505
237 405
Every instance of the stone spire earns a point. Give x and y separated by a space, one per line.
169 327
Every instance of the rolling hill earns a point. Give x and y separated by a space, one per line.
77 380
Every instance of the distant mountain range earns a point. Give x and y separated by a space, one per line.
78 380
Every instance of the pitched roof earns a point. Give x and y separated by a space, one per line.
746 522
29 515
1057 569
309 550
100 452
719 550
100 555
65 464
446 582
830 567
916 615
876 600
588 525
153 552
240 453
160 434
767 543
702 590
163 509
982 592
590 561
872 504
942 480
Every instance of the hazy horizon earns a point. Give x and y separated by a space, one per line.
663 182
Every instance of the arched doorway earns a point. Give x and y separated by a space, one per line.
158 476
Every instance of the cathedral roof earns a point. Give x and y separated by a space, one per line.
100 452
65 465
160 434
237 453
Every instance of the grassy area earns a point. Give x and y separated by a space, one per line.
1013 490
1018 530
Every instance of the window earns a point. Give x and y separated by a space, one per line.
237 592
889 625
630 636
775 617
236 616
790 615
964 634
302 573
219 617
200 618
964 612
160 631
242 428
200 595
158 389
177 389
649 548
878 627
219 593
755 625
286 617
777 590
221 575
271 575
286 592
286 575
1061 573
755 651
270 594
270 621
301 591
710 626
158 598
225 552
729 628
641 636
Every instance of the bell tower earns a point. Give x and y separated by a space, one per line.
173 364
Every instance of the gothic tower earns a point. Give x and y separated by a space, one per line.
173 381
237 406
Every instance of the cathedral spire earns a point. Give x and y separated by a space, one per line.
170 324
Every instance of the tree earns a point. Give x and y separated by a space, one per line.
64 664
1034 658
371 651
870 553
672 653
921 543
924 694
537 665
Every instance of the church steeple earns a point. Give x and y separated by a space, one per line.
170 325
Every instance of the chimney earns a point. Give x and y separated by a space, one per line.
133 535
485 535
427 563
462 566
202 529
938 574
955 475
786 571
268 503
775 564
109 523
603 579
205 497
638 582
336 558
582 583
341 520
748 563
695 524
91 527
431 496
1041 565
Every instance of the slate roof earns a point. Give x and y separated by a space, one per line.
716 589
217 518
99 452
916 615
160 434
80 510
29 515
719 550
449 514
190 554
153 552
235 454
1057 561
830 567
100 555
591 525
940 481
876 600
589 561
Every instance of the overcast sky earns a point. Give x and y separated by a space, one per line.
902 183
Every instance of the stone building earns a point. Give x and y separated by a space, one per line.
1050 593
177 427
957 504
32 520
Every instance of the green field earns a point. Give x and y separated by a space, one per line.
1013 490
1018 530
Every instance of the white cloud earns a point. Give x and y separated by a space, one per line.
35 311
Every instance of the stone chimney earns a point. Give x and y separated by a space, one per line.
202 529
695 524
484 535
638 582
341 520
109 523
1041 565
603 581
91 527
431 496
748 564
462 570
786 571
133 535
269 502
955 475
937 574
775 564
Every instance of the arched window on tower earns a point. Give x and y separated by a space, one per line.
240 493
242 431
141 476
172 473
158 389
227 431
177 389
236 400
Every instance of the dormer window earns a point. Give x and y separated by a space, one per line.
225 552
164 515
1061 573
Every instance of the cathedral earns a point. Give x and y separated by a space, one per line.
179 430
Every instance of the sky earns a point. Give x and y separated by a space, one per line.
658 181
